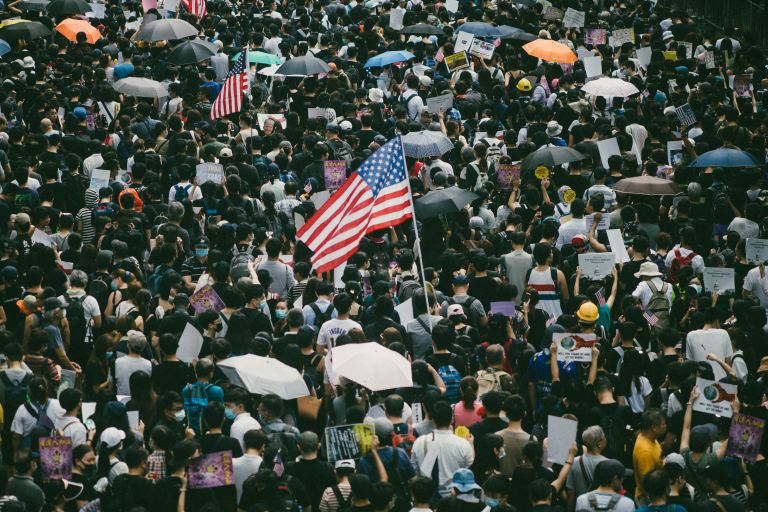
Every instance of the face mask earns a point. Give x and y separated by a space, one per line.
113 285
229 413
696 287
492 502
753 194
89 467
201 253
110 354
280 313
180 415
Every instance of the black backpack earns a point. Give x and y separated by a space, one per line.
283 442
78 327
467 307
322 316
615 429
15 395
99 290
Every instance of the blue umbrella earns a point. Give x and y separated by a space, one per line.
4 47
480 29
726 157
387 58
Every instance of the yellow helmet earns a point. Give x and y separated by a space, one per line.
524 85
587 312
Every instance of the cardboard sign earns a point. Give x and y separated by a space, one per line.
99 179
757 250
457 61
442 103
715 397
573 18
596 265
463 41
623 35
608 148
278 118
593 66
482 49
190 343
719 280
211 470
505 307
335 172
745 436
209 171
56 457
595 36
553 14
644 56
348 441
574 347
506 174
206 299
675 153
561 433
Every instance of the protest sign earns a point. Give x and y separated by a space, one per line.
644 55
561 433
709 59
87 409
616 241
576 347
55 457
506 174
745 436
742 85
675 153
348 441
553 14
442 103
482 49
608 148
573 18
719 280
595 36
670 55
190 343
605 221
335 172
757 250
405 311
41 237
715 397
457 61
133 419
463 41
146 5
623 35
688 49
209 171
505 307
593 66
278 118
324 113
98 11
99 179
206 299
686 117
211 470
596 265
452 5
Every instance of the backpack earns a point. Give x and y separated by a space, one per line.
466 306
452 379
615 434
124 149
407 289
195 400
343 502
138 204
321 316
492 379
238 267
341 150
102 210
283 442
15 395
659 305
405 102
78 327
404 441
181 192
153 281
679 262
594 507
43 427
310 371
99 290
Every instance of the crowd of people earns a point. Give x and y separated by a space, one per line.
98 283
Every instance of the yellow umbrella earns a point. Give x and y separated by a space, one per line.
550 51
70 27
13 21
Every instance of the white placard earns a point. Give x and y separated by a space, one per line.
593 66
298 221
644 56
190 344
41 237
719 280
170 5
561 434
608 148
573 18
452 5
405 310
675 153
596 265
326 113
757 250
98 11
320 198
87 409
417 414
209 171
396 16
133 419
616 241
576 347
299 302
440 103
605 222
715 397
482 49
463 42
68 378
280 118
99 179
688 49
338 272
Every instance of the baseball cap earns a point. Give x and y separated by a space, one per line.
112 436
180 299
425 81
52 303
80 112
10 273
23 219
579 242
345 126
460 279
382 426
333 127
225 153
201 241
345 463
455 310
675 458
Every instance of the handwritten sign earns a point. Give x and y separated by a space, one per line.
623 35
719 280
209 171
595 36
506 174
745 436
715 397
574 347
335 172
348 441
56 457
573 18
596 265
211 470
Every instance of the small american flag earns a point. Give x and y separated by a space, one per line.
599 297
376 196
650 318
195 7
230 98
278 466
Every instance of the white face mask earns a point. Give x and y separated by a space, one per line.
180 415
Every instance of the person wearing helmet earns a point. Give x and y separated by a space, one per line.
524 86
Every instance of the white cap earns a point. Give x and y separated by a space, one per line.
112 436
345 126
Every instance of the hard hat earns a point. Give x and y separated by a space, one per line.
524 85
587 312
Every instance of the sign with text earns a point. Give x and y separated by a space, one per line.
211 470
506 174
482 49
335 172
719 280
745 436
596 265
595 36
757 250
457 61
56 457
575 347
209 171
442 103
206 299
348 441
715 397
573 18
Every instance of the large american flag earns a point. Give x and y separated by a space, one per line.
375 197
195 7
230 98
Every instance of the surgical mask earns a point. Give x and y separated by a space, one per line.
229 413
492 502
180 415
696 287
280 313
201 253
113 285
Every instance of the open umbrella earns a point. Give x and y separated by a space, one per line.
15 30
261 58
550 156
4 47
69 28
140 87
550 51
387 58
33 5
64 8
423 29
610 88
646 186
518 34
445 200
264 375
303 66
161 30
192 52
726 157
269 71
426 143
371 365
480 29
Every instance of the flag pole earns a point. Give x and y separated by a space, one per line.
416 231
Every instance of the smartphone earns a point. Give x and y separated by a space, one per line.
89 424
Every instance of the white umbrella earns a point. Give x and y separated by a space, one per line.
371 365
269 70
426 143
141 87
610 87
264 375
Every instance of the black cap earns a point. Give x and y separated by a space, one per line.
201 241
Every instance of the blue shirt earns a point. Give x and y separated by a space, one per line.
122 70
661 508
213 87
366 465
540 373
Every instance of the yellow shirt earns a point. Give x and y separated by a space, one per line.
645 458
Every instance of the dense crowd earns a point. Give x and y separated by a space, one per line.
119 250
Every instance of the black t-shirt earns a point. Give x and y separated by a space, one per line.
486 426
212 443
170 376
484 290
316 474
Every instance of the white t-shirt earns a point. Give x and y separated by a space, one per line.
334 328
701 342
636 396
74 428
193 193
697 262
242 424
90 307
125 367
756 286
243 467
23 422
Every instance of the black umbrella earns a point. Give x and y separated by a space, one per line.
518 34
63 8
34 5
303 66
423 29
24 30
446 200
192 52
551 156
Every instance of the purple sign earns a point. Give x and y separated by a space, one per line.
745 436
335 173
211 470
206 299
595 36
506 308
56 457
505 174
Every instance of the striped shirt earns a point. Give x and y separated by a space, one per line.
194 268
549 299
329 502
87 231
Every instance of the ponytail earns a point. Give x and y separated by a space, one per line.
468 389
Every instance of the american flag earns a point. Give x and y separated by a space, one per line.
599 297
195 7
230 98
376 196
650 318
278 467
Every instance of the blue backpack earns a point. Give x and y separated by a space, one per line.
195 400
451 378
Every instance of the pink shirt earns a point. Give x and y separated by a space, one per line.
463 416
